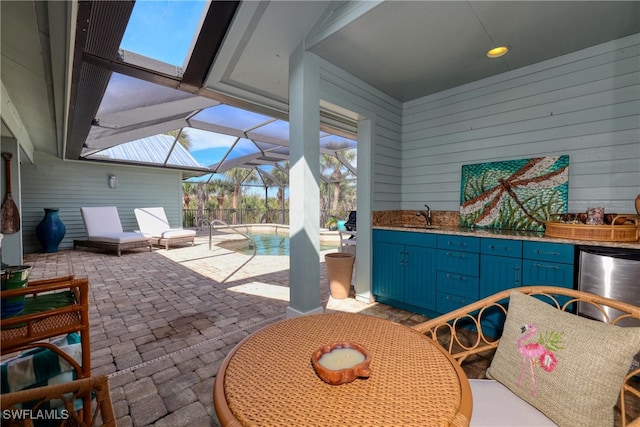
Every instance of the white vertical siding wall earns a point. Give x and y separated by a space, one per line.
50 182
341 88
585 104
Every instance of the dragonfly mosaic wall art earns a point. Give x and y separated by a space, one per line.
514 194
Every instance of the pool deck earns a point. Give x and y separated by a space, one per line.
162 321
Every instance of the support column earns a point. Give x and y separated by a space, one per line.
304 190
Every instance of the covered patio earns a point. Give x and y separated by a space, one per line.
160 333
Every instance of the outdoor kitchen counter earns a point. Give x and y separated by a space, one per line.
504 234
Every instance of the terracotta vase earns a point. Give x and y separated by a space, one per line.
339 272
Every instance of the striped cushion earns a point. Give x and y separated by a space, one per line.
41 367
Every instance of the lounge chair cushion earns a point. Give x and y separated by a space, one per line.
118 238
568 367
41 367
494 405
101 220
174 234
153 222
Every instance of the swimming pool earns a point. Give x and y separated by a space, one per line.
270 243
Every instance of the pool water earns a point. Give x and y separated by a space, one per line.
274 244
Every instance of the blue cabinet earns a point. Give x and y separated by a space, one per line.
404 269
458 271
548 264
500 265
438 273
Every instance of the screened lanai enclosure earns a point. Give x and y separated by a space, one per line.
234 160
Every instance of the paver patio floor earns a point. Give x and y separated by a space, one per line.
162 321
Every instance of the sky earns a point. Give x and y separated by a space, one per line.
165 30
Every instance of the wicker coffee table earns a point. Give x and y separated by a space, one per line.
268 378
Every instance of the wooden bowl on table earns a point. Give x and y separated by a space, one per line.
341 362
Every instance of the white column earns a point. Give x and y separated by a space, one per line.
304 190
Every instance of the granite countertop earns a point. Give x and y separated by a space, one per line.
503 234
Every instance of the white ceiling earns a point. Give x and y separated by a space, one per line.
406 49
409 49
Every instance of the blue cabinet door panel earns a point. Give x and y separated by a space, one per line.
388 270
459 243
447 302
458 262
498 273
405 238
458 284
552 252
547 273
420 277
501 247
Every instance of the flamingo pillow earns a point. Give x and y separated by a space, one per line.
568 367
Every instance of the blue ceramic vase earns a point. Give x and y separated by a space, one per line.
50 230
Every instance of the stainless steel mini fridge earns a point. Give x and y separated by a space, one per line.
613 273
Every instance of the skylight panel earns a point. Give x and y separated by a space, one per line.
231 117
164 30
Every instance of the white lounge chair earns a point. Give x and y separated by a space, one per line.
153 223
104 230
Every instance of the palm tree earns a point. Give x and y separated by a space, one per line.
282 175
334 166
221 188
238 176
189 190
183 137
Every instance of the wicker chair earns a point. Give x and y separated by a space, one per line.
463 333
66 394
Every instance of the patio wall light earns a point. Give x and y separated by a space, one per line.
113 181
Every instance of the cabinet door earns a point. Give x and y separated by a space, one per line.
498 273
388 270
420 277
547 273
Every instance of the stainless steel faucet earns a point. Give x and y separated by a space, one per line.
426 214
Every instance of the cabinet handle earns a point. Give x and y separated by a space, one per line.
553 267
538 251
457 255
491 247
455 277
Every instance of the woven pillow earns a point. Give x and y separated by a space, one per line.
570 368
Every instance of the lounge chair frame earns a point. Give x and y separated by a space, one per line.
116 247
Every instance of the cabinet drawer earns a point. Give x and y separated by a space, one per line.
547 273
553 252
459 243
405 238
459 262
446 302
458 284
501 247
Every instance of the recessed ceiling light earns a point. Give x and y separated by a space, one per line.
497 52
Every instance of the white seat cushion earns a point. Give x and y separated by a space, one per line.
494 405
177 232
101 220
118 238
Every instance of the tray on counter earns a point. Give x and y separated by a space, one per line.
628 231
